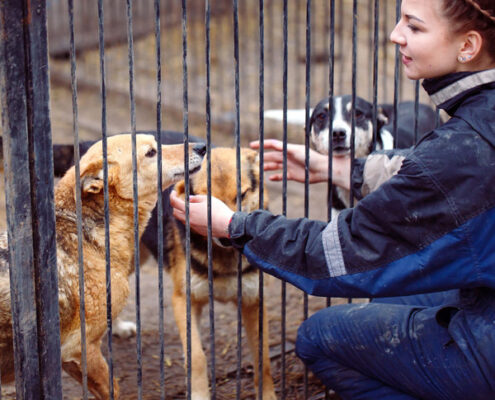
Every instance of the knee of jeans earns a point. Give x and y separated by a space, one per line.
307 348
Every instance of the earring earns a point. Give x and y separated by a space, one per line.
461 59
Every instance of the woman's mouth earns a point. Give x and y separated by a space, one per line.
406 60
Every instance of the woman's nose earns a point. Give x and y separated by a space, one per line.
396 36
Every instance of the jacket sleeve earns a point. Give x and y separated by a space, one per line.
405 237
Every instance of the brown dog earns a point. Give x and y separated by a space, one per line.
223 184
120 185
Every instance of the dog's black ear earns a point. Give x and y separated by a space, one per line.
91 184
382 117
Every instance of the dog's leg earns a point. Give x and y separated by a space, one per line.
97 370
250 317
199 372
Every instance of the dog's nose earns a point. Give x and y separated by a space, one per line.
200 149
338 134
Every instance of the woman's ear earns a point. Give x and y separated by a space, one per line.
470 47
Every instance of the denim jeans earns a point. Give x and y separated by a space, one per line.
393 348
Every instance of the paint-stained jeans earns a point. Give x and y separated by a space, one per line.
394 348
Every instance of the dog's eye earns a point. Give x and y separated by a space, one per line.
359 114
243 194
321 116
151 153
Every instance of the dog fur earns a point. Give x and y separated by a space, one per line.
224 258
223 186
120 185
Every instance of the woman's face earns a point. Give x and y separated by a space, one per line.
428 48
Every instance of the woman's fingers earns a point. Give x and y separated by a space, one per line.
268 144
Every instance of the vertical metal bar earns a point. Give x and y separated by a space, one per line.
370 47
75 128
341 45
331 81
237 136
306 147
297 50
284 195
185 121
29 195
385 42
416 110
396 75
106 210
270 7
159 204
130 41
376 14
261 191
353 90
211 298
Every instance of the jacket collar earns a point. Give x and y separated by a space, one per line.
448 91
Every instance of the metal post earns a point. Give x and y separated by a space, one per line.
29 196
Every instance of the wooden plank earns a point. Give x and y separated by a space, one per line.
17 192
29 198
42 200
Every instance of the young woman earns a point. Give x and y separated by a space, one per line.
425 232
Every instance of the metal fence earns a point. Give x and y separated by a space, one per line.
209 70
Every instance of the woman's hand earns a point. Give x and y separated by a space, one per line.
198 214
296 153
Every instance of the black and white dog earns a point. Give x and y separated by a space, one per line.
339 140
341 114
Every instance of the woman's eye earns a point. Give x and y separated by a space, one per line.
151 153
412 28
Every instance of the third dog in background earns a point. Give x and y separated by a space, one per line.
341 114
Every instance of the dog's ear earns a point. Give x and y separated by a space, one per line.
92 178
91 184
252 156
382 117
180 188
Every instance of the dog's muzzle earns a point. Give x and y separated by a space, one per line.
339 138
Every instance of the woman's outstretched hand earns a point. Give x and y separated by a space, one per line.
198 214
296 154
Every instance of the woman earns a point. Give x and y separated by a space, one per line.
423 230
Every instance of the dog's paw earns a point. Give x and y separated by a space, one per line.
123 329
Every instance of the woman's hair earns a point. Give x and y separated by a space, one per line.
477 15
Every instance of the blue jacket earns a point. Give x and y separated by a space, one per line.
429 227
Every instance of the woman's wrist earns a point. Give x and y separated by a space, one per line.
341 172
